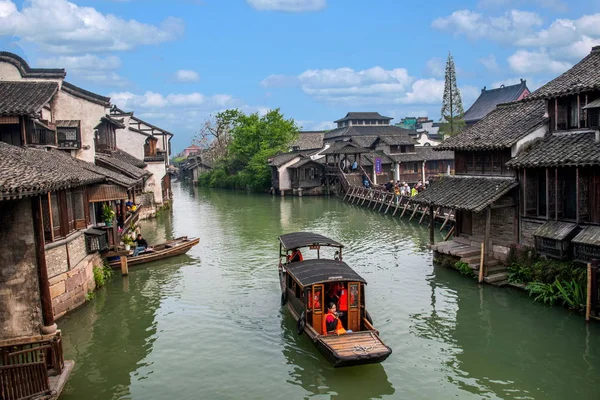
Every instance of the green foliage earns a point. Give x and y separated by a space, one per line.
254 139
177 161
108 214
519 274
464 268
572 294
127 239
102 275
544 292
90 296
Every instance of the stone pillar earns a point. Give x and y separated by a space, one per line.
299 192
397 171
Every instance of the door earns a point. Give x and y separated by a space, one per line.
466 223
317 308
354 306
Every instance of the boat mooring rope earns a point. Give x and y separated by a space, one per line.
359 349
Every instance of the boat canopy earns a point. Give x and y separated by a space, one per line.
311 272
303 239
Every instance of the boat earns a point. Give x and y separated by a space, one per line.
304 285
167 249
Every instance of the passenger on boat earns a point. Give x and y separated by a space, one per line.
332 324
295 256
140 245
343 304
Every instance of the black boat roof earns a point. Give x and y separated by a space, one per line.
310 272
304 239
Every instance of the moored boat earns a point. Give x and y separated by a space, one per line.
167 249
308 284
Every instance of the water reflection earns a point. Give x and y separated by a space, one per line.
310 370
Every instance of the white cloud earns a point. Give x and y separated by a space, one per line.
59 26
555 5
506 28
288 5
185 75
489 62
524 61
88 68
436 67
176 101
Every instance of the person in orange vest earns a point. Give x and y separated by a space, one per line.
331 322
343 304
295 256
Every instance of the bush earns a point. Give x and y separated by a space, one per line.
544 292
464 268
102 275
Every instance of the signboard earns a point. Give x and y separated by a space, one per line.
378 165
315 247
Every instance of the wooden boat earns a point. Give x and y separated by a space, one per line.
164 250
304 285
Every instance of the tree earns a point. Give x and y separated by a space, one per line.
215 134
452 108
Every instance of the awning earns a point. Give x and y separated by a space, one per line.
555 230
99 193
593 104
589 235
465 193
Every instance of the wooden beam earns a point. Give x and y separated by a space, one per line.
577 194
488 225
556 194
382 202
481 262
556 113
422 216
124 267
50 212
588 300
397 206
23 130
405 208
42 267
446 220
578 110
524 192
414 212
450 233
547 194
431 225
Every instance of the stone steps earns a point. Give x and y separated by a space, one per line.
496 278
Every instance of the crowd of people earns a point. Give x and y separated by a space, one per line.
400 188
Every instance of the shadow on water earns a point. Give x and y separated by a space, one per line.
498 342
310 370
111 336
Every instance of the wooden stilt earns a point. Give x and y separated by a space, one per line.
481 264
446 220
124 267
382 202
377 199
414 212
366 194
405 208
588 302
423 216
347 192
449 233
397 206
431 225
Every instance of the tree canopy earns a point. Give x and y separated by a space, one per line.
250 140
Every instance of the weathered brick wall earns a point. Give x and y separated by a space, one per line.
146 199
528 227
77 250
20 310
68 290
56 260
502 229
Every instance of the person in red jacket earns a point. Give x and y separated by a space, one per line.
331 322
295 256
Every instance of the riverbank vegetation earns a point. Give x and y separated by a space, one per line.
239 145
549 281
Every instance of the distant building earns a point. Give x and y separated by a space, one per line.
190 150
489 99
424 130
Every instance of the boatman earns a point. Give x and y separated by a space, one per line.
295 256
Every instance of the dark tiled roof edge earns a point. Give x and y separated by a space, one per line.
84 94
28 72
164 132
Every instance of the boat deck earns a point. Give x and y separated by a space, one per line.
365 344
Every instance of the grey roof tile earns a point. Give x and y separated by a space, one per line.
25 98
425 153
465 193
572 149
489 99
309 140
372 130
500 129
364 115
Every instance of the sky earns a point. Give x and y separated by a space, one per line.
177 62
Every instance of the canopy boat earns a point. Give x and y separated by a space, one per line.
305 286
167 249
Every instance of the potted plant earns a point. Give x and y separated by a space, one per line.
108 214
128 241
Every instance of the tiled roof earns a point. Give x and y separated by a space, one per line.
344 148
113 121
124 156
308 140
114 177
156 158
465 193
84 94
373 130
67 123
489 99
28 72
302 162
426 153
572 149
368 159
280 159
500 129
25 98
589 235
394 140
30 171
364 115
583 76
120 166
138 121
364 141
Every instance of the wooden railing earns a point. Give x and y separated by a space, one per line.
26 364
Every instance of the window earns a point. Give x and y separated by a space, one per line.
415 167
63 213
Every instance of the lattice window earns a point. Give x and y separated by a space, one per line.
552 194
46 219
70 216
55 214
584 195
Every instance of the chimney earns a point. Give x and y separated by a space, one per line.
596 49
483 90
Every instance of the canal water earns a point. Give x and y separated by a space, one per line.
208 325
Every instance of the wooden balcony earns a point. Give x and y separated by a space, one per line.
32 367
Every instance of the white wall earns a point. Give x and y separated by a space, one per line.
130 141
285 182
9 72
153 184
67 106
538 133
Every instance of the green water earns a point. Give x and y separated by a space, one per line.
208 325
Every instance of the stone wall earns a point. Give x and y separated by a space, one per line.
70 271
502 228
20 307
528 227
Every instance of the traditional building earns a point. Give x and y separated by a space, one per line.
193 167
489 99
424 130
560 173
191 150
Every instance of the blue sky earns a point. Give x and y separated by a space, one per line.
174 62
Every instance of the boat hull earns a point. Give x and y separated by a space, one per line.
171 248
